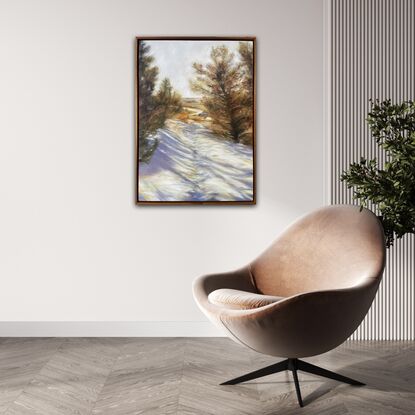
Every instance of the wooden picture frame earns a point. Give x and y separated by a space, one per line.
195 149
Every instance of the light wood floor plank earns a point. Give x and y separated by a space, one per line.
21 360
69 383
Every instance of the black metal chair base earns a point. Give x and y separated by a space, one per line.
293 365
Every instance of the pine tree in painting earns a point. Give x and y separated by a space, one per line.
147 78
246 57
224 94
167 101
153 108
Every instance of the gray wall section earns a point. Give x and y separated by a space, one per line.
371 52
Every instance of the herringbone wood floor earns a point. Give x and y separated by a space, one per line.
181 376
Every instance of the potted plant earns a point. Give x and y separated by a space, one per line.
389 186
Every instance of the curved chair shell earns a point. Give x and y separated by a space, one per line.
327 265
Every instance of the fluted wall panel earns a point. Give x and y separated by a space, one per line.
371 56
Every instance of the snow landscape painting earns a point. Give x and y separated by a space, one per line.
196 120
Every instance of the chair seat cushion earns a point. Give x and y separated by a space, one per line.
240 300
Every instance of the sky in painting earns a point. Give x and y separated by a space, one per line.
175 58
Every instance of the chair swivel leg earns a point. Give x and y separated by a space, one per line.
319 371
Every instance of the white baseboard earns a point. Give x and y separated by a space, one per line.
109 329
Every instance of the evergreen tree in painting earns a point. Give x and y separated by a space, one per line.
167 101
246 56
154 108
147 78
222 85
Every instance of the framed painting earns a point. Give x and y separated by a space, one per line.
195 120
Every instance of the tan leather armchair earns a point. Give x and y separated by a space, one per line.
305 295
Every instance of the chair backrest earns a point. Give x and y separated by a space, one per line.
334 247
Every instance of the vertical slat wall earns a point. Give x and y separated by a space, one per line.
372 55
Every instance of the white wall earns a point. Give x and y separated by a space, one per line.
73 244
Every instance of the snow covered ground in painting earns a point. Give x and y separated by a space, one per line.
192 164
